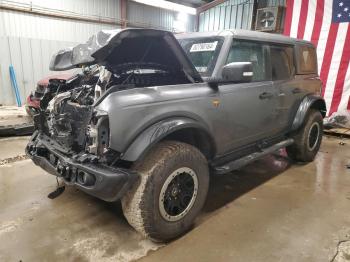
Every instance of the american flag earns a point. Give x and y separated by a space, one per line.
326 24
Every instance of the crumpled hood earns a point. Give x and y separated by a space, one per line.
122 46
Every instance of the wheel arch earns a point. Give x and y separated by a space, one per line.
180 129
309 102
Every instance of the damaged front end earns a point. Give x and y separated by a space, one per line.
72 137
71 142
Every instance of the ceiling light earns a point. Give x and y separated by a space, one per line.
168 5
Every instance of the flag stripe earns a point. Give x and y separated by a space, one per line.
302 19
335 63
344 62
326 23
322 40
328 54
310 20
345 100
318 22
295 18
288 18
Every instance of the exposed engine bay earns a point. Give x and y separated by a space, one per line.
111 62
69 114
73 136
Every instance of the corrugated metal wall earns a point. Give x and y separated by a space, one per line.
20 24
148 16
102 8
30 59
231 14
27 41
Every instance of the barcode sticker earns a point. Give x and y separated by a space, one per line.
201 69
201 47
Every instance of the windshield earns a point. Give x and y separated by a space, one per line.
203 52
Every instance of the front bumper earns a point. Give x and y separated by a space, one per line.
83 171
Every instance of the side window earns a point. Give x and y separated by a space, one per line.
307 59
246 51
282 64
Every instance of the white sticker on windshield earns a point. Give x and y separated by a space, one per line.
201 69
201 47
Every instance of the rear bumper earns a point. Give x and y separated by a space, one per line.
83 171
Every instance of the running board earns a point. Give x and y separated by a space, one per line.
238 163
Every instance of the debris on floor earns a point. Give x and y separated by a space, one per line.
339 132
268 207
340 119
12 159
343 252
14 121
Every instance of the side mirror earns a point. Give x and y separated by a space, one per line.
239 72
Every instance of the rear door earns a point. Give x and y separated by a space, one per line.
250 107
287 86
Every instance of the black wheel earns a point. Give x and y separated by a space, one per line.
308 138
171 192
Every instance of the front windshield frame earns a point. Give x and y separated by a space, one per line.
187 43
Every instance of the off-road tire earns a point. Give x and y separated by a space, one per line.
141 204
301 151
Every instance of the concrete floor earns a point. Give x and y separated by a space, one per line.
269 211
13 115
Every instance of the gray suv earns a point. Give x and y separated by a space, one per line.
166 114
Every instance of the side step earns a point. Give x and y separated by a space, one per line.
238 163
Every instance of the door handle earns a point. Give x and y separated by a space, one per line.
296 90
265 95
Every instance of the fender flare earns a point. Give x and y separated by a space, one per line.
310 101
153 134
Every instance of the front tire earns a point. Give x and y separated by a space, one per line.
307 140
172 189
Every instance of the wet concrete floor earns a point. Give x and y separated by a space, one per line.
271 210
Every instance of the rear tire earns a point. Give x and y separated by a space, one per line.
172 189
307 140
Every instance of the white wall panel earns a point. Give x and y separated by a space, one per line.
20 24
34 26
102 8
30 59
230 14
27 41
6 94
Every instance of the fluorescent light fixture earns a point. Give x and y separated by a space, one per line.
181 16
168 5
181 22
179 26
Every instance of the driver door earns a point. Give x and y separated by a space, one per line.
250 108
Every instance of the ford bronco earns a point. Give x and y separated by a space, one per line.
168 111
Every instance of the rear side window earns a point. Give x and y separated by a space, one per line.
282 64
246 51
307 60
